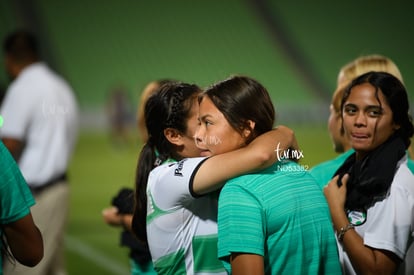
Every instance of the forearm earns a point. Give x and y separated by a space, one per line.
267 148
25 241
352 243
112 217
259 154
246 264
364 259
126 221
14 146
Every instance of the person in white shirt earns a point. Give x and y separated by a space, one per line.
40 114
371 197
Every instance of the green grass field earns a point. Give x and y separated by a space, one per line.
98 170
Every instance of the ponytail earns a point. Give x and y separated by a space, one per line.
168 108
145 164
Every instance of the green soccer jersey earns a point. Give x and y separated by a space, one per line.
15 195
281 214
181 226
324 171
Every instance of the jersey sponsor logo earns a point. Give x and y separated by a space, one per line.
177 171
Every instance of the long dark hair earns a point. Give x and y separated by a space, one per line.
370 177
396 96
168 108
240 99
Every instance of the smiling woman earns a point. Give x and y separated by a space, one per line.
371 196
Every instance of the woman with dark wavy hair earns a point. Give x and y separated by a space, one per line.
371 198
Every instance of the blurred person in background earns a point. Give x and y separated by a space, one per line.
21 240
120 215
40 129
149 90
323 172
120 116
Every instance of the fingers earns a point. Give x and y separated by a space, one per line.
111 215
333 180
345 179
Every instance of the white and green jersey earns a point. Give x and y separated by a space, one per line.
181 226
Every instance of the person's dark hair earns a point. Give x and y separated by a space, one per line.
22 46
2 92
169 108
241 98
163 81
396 96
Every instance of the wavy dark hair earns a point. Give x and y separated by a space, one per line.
240 99
396 96
170 107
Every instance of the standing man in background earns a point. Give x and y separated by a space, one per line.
40 115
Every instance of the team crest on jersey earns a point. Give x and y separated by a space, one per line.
177 171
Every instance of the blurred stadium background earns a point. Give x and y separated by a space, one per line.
294 49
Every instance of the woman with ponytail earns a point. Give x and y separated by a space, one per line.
176 202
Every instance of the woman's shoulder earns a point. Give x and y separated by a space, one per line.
404 178
179 170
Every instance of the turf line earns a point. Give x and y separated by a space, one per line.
81 248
